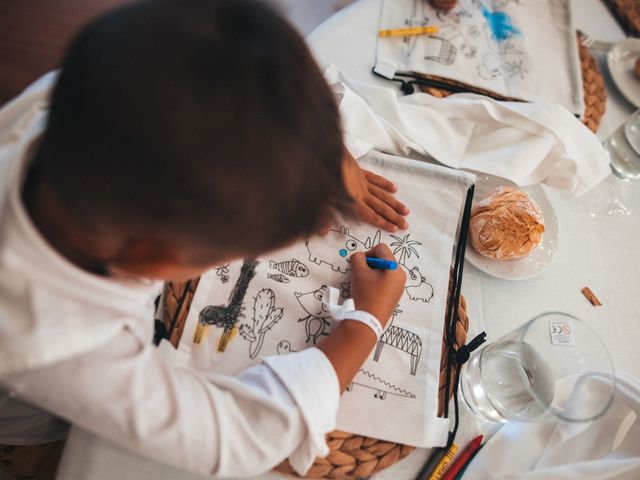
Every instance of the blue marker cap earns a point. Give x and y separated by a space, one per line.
381 263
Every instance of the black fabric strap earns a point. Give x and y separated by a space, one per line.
464 352
408 81
452 315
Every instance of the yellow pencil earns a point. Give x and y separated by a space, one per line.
444 463
402 32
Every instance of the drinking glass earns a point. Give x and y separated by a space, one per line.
623 147
524 375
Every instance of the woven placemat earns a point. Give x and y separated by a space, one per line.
351 456
594 91
627 12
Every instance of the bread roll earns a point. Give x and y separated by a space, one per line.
506 225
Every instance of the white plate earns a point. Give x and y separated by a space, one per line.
621 60
538 260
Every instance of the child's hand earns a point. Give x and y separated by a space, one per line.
376 291
372 193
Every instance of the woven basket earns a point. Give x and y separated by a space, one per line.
351 456
595 95
593 89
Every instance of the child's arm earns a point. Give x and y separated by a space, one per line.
216 424
374 291
229 426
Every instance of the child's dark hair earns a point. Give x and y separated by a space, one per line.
200 121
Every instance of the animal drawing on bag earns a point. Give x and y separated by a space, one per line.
490 67
345 287
265 317
379 385
316 323
342 243
278 277
293 268
284 347
403 340
454 34
226 316
417 286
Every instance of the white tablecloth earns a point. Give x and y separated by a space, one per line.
596 250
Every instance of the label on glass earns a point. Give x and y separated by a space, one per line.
561 333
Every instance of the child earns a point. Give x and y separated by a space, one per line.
180 135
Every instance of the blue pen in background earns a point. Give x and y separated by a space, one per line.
381 263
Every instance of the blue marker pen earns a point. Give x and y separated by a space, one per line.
381 263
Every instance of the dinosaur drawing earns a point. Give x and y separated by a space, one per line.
417 286
403 340
343 243
381 386
226 317
265 317
316 323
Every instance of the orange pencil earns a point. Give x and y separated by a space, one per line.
403 32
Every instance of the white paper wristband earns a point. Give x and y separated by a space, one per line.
347 311
368 319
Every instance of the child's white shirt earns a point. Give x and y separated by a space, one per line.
79 346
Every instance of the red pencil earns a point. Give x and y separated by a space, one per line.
463 459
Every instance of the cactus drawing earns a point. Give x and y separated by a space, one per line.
265 317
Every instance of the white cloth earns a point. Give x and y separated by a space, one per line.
522 142
79 346
606 448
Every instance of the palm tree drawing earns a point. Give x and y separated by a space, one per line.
405 248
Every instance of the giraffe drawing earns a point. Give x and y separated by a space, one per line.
401 339
226 316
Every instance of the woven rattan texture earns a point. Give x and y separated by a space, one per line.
351 456
593 89
628 14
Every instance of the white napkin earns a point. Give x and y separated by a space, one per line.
522 142
606 448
